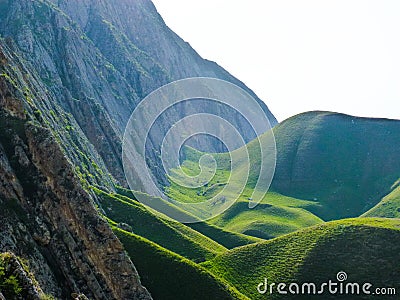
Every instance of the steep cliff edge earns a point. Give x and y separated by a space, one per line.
47 217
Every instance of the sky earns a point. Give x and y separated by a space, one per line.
335 55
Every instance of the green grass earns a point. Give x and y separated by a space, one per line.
9 284
346 164
169 234
170 276
367 249
389 207
228 239
16 280
274 216
330 166
223 237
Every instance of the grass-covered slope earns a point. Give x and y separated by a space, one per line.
274 216
346 164
366 249
389 207
225 238
169 234
170 276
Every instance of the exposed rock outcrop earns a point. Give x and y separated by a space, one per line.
49 219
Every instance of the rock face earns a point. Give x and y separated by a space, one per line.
99 59
47 217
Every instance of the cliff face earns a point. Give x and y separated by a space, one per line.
99 59
47 218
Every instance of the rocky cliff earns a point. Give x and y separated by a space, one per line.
47 217
99 59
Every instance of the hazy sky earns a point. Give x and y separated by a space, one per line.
338 55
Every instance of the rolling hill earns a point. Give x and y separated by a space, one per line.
170 276
365 248
71 72
389 207
346 164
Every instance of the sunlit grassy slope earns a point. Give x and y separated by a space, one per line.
275 215
198 244
366 249
389 207
168 275
225 238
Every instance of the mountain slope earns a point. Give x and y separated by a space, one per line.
100 59
389 207
346 164
47 217
171 235
329 166
316 255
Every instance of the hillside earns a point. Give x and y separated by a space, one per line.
170 276
363 248
389 207
346 164
71 73
48 218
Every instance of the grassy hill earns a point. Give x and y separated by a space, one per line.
179 238
344 163
366 249
171 235
274 216
389 207
170 276
225 238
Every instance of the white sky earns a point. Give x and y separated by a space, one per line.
338 55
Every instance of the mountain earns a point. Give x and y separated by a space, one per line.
71 73
389 207
99 59
47 216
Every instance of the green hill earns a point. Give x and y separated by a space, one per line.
225 238
389 207
344 163
170 276
366 249
199 243
169 234
274 216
